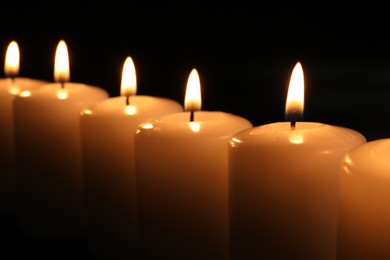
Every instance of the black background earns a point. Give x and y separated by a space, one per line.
244 53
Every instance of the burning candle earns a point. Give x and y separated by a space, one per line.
284 185
48 156
107 134
182 181
9 87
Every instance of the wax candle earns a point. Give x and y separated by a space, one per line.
10 86
283 180
107 138
182 180
364 212
48 156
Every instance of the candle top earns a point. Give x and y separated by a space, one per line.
206 123
72 92
306 134
145 106
18 84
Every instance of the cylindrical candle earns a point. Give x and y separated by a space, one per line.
9 87
182 183
107 138
283 183
364 212
48 156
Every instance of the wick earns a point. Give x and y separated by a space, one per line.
293 120
62 84
127 100
12 79
192 112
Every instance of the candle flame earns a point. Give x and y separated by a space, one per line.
61 66
192 101
12 59
129 78
295 95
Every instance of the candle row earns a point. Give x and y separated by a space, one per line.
139 176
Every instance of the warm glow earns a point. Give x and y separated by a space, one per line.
295 96
192 101
129 78
12 59
195 126
295 137
87 111
62 93
147 126
25 93
130 110
61 66
14 90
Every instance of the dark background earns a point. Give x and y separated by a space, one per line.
244 53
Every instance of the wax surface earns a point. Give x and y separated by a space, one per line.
8 181
364 213
284 190
107 138
47 139
181 170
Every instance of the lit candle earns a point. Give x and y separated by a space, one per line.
284 185
9 87
364 212
48 156
182 180
107 138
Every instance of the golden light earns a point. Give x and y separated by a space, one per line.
130 110
194 126
295 137
295 95
62 93
25 93
129 78
61 66
192 101
147 126
12 60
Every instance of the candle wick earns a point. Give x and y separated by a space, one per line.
127 100
62 84
192 112
293 120
12 79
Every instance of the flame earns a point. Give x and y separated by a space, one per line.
295 95
129 78
192 100
12 59
61 66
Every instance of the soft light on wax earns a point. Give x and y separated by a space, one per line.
283 185
9 87
48 156
181 172
364 212
107 138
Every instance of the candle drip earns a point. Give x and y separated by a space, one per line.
192 113
293 120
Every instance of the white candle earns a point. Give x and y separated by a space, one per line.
182 181
364 212
107 135
284 183
9 87
48 156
